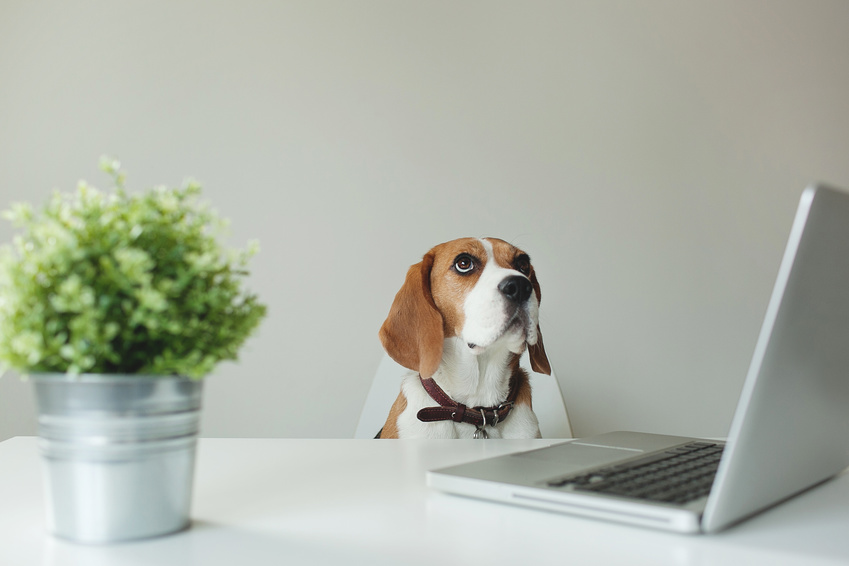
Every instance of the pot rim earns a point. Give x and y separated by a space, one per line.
104 377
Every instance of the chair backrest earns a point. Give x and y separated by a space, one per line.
547 399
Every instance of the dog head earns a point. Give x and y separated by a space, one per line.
484 291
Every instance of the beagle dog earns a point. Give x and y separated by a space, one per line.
462 319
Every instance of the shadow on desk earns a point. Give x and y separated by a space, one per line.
811 529
813 524
208 544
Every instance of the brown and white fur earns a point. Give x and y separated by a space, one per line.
453 321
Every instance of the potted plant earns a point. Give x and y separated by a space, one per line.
115 305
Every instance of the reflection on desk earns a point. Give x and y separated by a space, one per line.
287 501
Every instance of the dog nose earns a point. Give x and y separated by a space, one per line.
515 288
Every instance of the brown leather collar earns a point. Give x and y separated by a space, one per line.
450 410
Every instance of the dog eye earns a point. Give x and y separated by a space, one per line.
523 265
464 264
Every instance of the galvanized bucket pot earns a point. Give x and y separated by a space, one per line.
119 453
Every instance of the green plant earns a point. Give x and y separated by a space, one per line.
117 283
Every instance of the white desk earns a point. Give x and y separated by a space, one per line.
352 502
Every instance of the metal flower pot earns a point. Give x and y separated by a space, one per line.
119 454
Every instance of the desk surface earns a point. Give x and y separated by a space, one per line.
286 501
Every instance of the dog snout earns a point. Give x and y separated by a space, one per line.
515 288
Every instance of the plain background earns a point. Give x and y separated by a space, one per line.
648 155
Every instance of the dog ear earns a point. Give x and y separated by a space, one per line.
536 352
412 334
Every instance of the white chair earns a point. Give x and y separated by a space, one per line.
547 399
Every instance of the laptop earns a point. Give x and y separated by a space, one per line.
790 430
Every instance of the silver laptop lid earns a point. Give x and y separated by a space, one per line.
791 427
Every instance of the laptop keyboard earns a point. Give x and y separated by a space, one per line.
678 475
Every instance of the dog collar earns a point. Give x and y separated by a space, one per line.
450 410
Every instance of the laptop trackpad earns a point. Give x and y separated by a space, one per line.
575 456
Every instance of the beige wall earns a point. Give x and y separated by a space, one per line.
648 155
